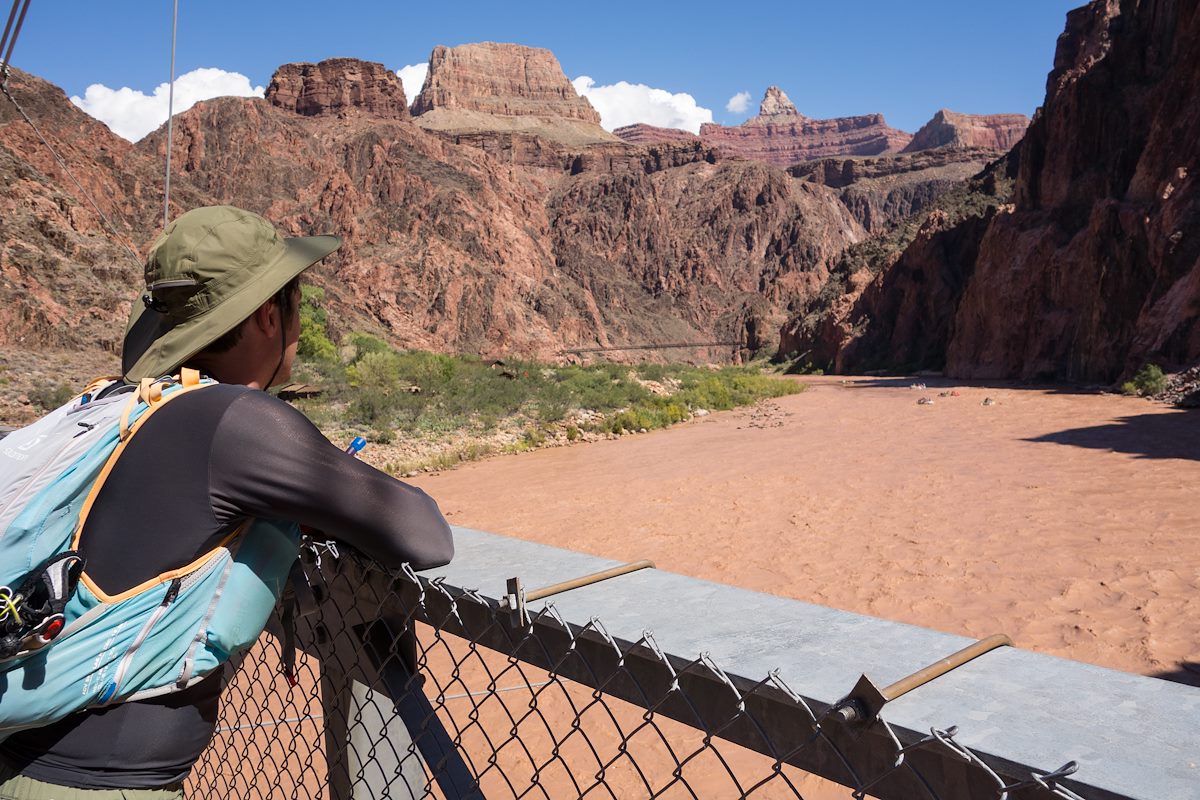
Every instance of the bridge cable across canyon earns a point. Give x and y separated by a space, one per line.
4 75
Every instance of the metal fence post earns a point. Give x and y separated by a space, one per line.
393 656
336 699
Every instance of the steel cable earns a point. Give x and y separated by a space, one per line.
15 33
170 118
66 169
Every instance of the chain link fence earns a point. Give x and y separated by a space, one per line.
404 688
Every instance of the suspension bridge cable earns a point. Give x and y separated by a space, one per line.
63 164
15 33
170 118
4 72
651 347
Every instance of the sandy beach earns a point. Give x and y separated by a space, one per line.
1067 520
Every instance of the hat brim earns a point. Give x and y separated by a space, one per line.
155 345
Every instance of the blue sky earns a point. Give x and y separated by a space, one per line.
905 59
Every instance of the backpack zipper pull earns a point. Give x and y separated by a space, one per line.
110 691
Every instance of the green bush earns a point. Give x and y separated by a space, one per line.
437 394
365 343
1148 382
376 377
48 397
314 344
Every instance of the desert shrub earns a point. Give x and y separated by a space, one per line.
1148 382
428 371
534 436
434 394
48 398
314 344
708 392
376 378
604 387
365 343
553 402
653 372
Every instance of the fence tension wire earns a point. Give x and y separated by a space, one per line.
866 700
516 597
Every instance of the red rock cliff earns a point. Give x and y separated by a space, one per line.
336 85
1094 270
949 128
781 136
641 133
503 79
1097 271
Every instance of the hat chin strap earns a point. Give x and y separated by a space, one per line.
282 354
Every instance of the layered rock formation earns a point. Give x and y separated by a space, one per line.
1094 269
505 88
337 85
882 191
446 246
448 249
781 136
65 275
951 129
721 247
641 133
510 80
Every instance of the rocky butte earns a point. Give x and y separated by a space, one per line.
498 87
950 129
1076 257
337 85
782 136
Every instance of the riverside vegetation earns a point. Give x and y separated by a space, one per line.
428 411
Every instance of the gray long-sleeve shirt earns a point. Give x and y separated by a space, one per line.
200 466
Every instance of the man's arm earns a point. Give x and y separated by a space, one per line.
268 460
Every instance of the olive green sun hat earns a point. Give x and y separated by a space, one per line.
210 269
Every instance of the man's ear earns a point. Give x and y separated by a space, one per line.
266 319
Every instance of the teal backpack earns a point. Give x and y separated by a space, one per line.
65 645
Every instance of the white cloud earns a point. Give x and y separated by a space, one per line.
413 78
623 103
738 103
133 114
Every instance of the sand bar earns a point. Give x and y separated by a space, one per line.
1067 520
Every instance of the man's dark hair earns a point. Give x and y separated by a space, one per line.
282 298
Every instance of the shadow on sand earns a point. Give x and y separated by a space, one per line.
1188 672
1171 435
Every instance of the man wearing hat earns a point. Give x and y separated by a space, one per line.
221 296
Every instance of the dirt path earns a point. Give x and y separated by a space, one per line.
1069 521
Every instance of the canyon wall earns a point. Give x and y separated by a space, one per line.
451 240
1093 268
782 136
882 191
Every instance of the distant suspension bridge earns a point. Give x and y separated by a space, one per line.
674 345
